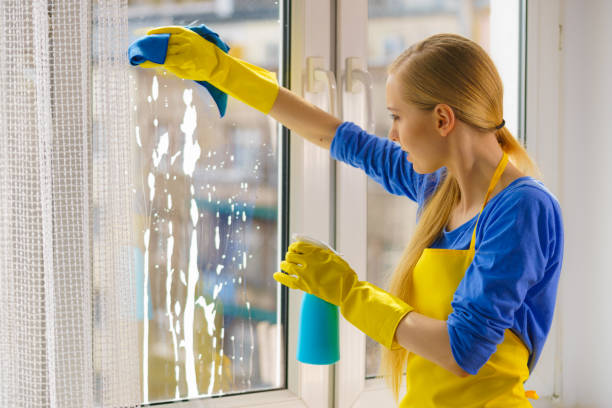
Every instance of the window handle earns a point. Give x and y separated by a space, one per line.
317 74
354 75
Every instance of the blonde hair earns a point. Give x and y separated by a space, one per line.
453 70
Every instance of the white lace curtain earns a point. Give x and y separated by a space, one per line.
68 334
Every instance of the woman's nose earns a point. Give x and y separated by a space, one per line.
393 136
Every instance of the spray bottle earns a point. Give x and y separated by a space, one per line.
318 335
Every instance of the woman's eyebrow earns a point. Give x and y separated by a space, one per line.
393 109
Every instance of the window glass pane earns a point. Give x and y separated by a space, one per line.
392 27
207 227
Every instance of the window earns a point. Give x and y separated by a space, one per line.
207 215
210 208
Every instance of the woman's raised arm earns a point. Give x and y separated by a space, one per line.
304 118
191 56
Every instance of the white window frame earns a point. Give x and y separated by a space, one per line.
352 389
543 103
311 188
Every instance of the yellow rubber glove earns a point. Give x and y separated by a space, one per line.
322 273
189 56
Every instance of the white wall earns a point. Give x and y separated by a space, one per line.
586 195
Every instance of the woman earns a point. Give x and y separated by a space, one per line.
472 299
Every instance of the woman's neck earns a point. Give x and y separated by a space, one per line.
472 160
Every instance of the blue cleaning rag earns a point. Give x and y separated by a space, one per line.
154 47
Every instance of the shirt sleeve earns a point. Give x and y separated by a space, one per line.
518 238
383 160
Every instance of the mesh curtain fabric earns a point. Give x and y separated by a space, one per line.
69 334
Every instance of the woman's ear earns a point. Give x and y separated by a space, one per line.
444 117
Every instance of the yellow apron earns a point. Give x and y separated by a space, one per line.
499 383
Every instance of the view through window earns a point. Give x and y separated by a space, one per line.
206 222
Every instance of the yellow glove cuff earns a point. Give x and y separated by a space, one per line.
375 312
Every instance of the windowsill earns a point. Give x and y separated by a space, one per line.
278 399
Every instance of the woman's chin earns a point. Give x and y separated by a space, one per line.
419 170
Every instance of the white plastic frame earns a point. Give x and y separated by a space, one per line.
543 136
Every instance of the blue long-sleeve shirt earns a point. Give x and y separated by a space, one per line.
513 278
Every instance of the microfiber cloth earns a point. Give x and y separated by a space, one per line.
154 47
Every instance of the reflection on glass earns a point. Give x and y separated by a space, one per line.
393 26
205 222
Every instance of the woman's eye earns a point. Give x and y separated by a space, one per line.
394 117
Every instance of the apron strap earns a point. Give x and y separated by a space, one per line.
496 176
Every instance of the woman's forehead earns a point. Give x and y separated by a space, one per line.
394 96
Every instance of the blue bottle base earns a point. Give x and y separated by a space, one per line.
318 336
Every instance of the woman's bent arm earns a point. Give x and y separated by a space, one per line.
428 338
304 118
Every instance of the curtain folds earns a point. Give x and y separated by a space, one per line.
69 334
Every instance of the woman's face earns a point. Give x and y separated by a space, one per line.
417 131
